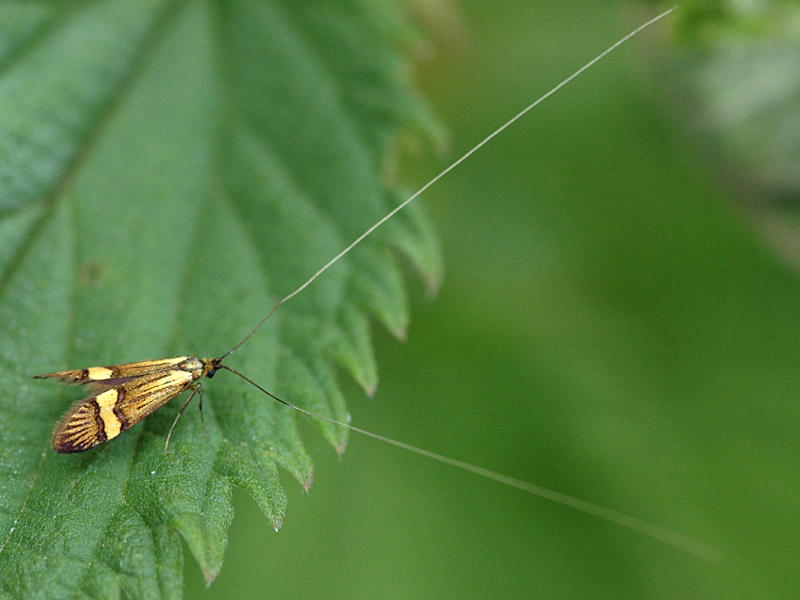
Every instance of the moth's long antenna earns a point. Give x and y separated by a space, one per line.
474 149
662 534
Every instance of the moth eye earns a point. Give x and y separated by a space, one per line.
211 372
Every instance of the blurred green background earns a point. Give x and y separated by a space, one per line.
611 326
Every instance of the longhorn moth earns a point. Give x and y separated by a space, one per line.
123 394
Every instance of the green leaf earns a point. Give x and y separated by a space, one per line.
168 171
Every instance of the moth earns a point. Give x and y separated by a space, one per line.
121 395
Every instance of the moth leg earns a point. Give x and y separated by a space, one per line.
195 389
200 406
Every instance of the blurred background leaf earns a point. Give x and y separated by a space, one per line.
730 75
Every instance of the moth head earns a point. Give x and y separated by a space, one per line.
211 366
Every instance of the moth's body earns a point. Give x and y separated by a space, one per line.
122 395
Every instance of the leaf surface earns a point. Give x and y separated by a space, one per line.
169 170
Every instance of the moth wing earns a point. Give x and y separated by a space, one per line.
113 375
76 377
144 395
83 427
101 417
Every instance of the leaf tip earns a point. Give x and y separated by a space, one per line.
209 575
400 334
276 524
432 285
370 388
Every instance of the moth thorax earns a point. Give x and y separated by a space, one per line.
195 366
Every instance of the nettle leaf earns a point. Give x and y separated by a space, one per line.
168 170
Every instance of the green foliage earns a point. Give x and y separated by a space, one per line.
168 170
733 69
